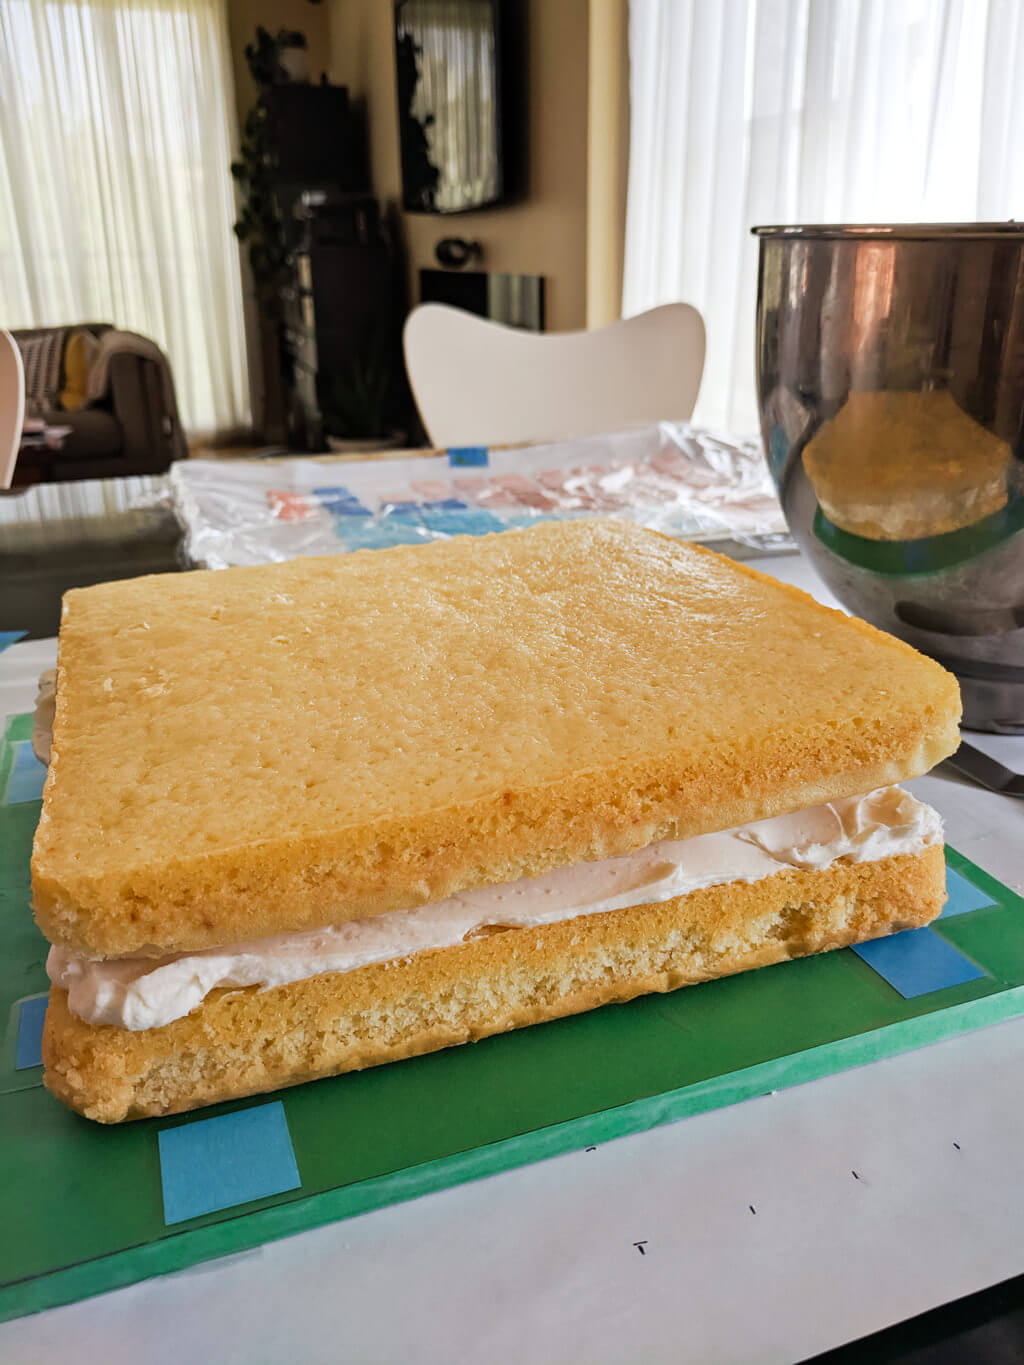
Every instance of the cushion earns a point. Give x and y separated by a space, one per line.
41 354
79 355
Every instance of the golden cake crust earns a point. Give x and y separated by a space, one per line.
243 1042
257 750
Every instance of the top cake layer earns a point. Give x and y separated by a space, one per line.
258 750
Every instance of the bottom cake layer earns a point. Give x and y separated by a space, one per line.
243 1042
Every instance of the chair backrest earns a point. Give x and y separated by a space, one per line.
478 382
12 406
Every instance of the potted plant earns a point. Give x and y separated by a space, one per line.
259 225
357 401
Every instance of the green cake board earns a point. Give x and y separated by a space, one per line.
82 1206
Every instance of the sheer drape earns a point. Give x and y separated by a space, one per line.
116 202
789 111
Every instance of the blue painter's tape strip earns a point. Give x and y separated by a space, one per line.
964 896
356 534
341 502
462 456
917 962
27 776
11 637
468 523
216 1163
28 1050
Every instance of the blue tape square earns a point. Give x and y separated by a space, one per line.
11 637
374 534
28 1050
467 455
964 896
27 776
341 502
917 962
464 523
216 1163
453 517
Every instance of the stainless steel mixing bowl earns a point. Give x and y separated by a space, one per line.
890 370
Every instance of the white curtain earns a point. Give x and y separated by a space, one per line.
752 112
116 201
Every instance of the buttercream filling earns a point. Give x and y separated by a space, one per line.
142 993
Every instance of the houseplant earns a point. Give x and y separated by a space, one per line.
259 225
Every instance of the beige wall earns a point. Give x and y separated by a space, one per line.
607 158
545 233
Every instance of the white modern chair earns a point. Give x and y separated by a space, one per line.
478 382
12 405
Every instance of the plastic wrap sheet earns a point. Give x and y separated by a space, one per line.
672 478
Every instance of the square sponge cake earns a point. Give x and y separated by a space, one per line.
247 752
353 750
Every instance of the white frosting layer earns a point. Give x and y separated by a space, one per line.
141 993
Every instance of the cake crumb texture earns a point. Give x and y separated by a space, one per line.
258 750
243 1042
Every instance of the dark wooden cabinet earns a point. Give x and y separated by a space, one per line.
340 305
317 137
342 319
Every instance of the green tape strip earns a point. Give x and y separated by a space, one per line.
19 727
931 554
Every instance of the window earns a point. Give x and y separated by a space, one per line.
116 200
806 111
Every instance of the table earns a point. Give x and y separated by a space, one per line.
55 536
645 1248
